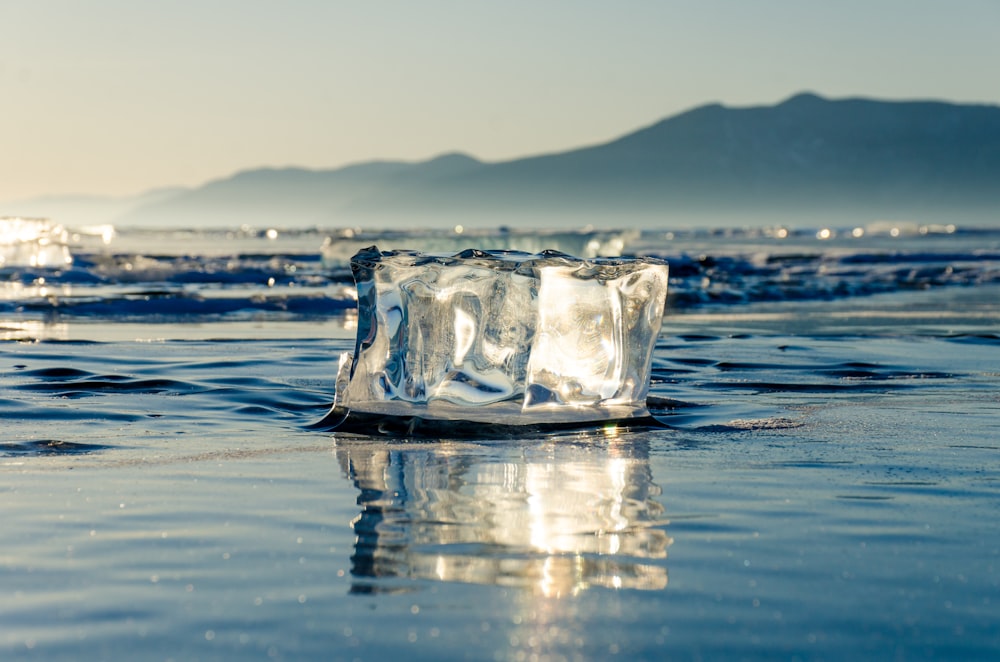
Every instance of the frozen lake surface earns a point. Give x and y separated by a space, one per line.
826 485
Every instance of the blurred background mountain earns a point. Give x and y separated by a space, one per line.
807 159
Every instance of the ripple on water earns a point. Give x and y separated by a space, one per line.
49 447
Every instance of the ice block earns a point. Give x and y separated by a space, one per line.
502 337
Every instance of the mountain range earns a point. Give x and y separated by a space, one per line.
807 159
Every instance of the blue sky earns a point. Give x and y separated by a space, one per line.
114 97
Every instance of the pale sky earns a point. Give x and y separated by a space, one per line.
114 97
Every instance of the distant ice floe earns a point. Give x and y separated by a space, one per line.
33 242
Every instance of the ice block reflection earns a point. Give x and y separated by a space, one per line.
555 518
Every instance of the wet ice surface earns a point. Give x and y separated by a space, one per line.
827 495
823 483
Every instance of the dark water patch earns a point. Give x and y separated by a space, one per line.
854 374
737 365
236 381
305 403
794 348
926 488
185 306
273 400
865 497
237 268
49 447
692 361
58 373
901 483
110 383
974 446
777 387
131 364
812 464
703 524
800 376
19 411
774 275
255 410
920 257
975 338
224 365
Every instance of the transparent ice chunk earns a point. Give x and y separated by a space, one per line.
502 336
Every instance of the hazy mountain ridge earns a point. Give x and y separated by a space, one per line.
83 210
805 157
854 154
291 196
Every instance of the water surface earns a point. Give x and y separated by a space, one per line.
824 485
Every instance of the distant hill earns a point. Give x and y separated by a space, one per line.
294 196
83 210
807 159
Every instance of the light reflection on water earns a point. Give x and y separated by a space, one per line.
30 330
556 518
